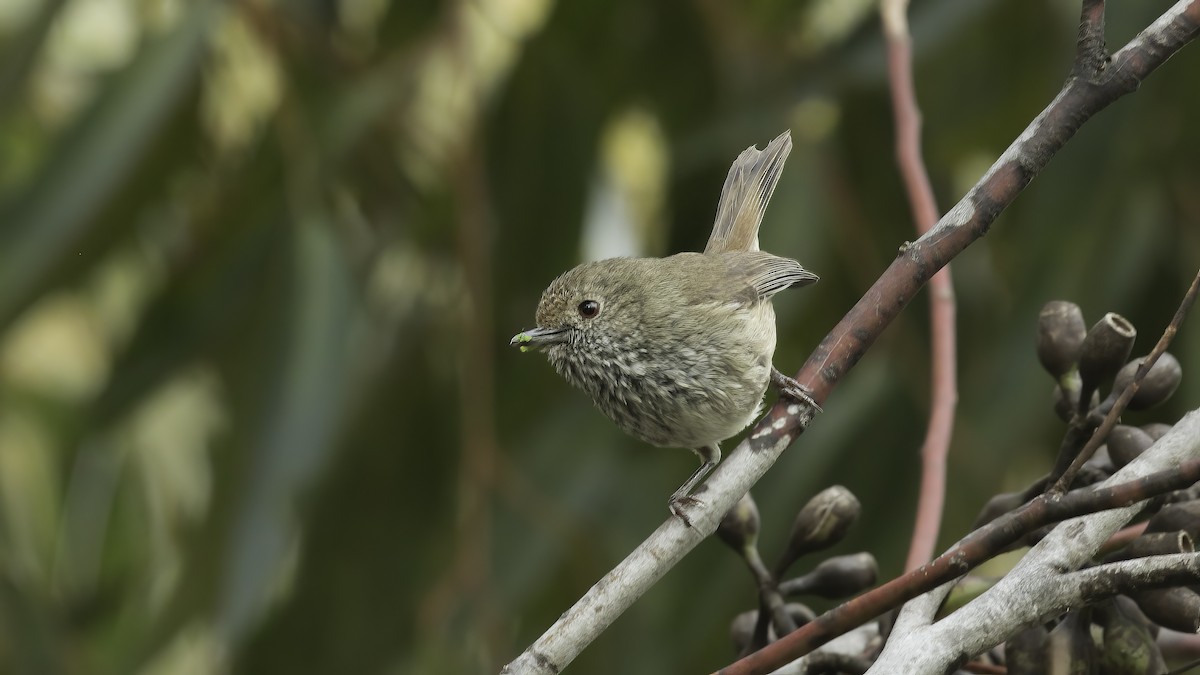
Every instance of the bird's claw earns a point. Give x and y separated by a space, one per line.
794 390
678 504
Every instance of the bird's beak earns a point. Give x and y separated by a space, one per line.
538 337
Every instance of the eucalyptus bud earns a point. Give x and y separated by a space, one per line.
1183 516
743 627
1061 331
1155 543
822 523
1128 646
837 577
1071 648
1104 351
1157 386
800 612
1157 429
741 630
1130 608
998 506
1064 407
739 527
1100 462
1175 608
1027 652
1125 443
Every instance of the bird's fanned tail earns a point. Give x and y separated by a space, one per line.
748 187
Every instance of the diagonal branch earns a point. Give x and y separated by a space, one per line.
969 220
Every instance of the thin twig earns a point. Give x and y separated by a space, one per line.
1090 53
1114 415
943 347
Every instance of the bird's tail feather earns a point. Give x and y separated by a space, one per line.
748 188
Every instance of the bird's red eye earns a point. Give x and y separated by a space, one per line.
588 309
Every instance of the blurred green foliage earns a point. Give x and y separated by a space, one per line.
259 263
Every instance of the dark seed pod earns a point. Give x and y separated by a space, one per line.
837 577
741 630
1063 406
1156 429
1156 387
822 523
1175 608
1101 462
1155 543
1130 608
739 527
998 506
1125 443
1104 351
1071 645
800 613
1128 646
1026 652
1184 516
1060 334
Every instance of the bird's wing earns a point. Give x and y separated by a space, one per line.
767 274
748 187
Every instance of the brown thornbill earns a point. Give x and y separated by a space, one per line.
677 351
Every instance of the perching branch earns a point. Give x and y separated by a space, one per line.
1081 97
943 348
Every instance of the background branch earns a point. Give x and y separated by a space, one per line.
943 347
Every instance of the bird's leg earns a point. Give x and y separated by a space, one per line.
709 456
792 389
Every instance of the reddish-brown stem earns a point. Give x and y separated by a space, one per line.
943 347
1121 539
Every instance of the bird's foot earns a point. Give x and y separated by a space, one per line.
678 504
793 389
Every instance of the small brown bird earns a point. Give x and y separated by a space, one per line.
677 351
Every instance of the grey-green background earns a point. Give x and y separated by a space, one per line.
260 262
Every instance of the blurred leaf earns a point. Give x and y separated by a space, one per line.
48 223
16 62
304 407
26 643
203 301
